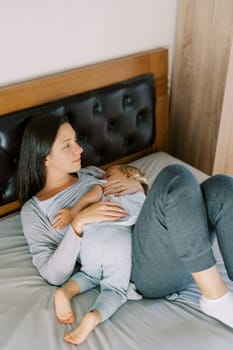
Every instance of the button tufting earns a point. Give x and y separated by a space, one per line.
97 108
112 126
127 100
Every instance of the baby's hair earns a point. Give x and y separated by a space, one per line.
135 173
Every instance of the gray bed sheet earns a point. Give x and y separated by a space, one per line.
27 319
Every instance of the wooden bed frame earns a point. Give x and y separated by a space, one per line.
39 91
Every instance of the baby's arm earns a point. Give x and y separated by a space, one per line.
66 215
93 196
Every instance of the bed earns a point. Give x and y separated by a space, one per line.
120 110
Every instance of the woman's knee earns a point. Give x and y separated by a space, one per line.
174 181
175 175
218 186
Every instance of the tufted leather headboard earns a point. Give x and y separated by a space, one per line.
111 122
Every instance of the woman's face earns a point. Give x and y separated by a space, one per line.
65 155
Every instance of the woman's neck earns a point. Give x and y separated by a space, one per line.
52 187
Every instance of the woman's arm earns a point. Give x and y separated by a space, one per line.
54 256
98 212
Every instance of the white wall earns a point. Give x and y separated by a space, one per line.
40 37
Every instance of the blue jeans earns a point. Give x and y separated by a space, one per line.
174 232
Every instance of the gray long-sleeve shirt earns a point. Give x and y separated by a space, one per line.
54 254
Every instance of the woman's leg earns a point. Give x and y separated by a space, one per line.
171 238
216 300
218 196
173 230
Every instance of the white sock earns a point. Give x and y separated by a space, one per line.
220 308
132 294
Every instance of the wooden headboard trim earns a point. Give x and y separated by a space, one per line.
46 89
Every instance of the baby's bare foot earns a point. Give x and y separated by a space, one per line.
63 309
88 323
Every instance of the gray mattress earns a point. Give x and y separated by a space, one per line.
27 319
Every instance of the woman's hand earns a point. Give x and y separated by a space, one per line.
124 186
98 212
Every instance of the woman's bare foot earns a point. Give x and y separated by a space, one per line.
63 309
88 323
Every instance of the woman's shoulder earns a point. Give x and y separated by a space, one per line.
29 206
86 177
92 170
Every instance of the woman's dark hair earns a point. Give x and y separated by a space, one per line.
38 139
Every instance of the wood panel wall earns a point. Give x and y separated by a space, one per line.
223 162
203 42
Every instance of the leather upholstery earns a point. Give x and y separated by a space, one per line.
111 122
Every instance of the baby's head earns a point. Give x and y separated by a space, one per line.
117 172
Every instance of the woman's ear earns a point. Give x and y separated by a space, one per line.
46 161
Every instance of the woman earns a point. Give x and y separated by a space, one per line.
172 236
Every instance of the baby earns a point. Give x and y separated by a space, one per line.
105 256
115 172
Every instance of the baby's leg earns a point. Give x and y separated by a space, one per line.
78 283
114 283
88 323
92 318
62 301
107 302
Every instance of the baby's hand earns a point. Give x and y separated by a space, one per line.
62 219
